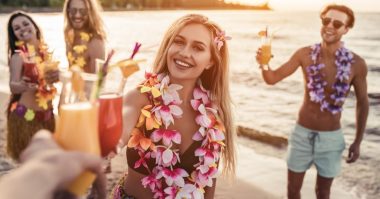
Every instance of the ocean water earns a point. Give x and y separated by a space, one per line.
272 109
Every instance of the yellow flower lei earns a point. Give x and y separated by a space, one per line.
45 93
75 55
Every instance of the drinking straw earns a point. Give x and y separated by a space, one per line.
101 74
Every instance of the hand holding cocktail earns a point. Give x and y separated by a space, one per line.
50 70
77 127
110 104
264 53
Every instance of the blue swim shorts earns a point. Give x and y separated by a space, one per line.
322 148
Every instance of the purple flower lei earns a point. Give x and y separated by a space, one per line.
316 84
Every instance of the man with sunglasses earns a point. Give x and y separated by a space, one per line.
329 71
84 33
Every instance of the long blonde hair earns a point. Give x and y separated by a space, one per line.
95 23
215 79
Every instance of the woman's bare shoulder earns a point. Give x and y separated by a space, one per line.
16 60
135 98
96 43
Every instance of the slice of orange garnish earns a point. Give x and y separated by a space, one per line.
263 33
128 67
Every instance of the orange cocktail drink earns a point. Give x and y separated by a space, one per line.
77 126
266 50
77 130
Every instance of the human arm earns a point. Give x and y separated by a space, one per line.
359 83
46 168
271 77
134 101
17 83
210 191
51 76
96 50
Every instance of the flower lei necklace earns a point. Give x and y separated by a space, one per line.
35 63
75 55
316 83
165 180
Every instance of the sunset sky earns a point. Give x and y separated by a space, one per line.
356 5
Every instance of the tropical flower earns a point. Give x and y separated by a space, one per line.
205 179
165 156
167 136
174 176
190 191
207 155
29 115
170 94
220 39
171 192
138 140
201 93
142 160
150 120
79 49
84 36
80 61
167 113
151 180
207 120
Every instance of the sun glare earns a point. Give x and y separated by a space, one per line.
306 5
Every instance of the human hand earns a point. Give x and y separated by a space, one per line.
260 58
51 76
353 152
30 86
49 169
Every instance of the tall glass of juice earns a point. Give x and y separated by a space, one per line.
77 127
110 111
266 49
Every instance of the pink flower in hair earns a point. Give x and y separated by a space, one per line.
220 38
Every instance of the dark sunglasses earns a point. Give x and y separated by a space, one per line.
336 23
73 11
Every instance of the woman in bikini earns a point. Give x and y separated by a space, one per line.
179 122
